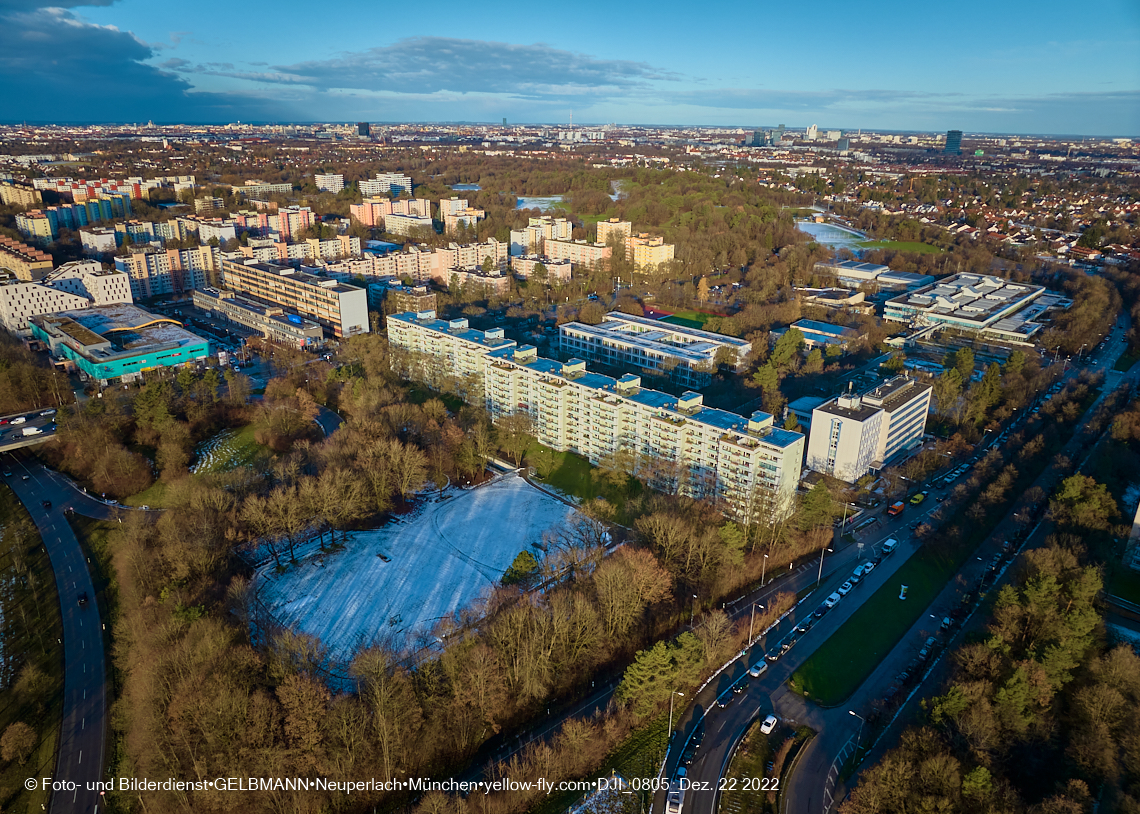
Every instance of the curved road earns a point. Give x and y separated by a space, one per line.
84 726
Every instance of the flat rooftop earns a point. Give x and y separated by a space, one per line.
126 327
327 283
976 299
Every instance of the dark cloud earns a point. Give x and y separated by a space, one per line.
431 64
56 67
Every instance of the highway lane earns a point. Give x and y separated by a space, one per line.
81 756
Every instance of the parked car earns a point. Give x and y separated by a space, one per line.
769 724
846 588
758 669
832 600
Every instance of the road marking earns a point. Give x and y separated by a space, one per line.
80 757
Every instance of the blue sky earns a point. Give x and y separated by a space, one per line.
1005 66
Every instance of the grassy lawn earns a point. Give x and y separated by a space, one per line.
748 762
31 658
152 496
1127 359
574 475
902 246
227 450
845 660
688 319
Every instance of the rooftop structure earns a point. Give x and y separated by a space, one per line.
819 334
976 303
854 273
688 355
117 341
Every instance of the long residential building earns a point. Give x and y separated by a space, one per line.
678 445
578 252
373 211
341 309
385 182
855 434
687 355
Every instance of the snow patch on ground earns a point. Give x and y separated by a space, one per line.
219 453
443 556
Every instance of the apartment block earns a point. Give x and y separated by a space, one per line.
386 182
204 206
72 286
36 226
156 272
648 251
469 217
341 309
329 182
615 229
687 355
557 271
579 252
20 195
373 210
474 278
855 434
396 298
748 465
539 230
407 225
260 188
272 322
25 262
98 240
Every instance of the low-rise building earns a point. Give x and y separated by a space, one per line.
991 307
687 355
678 445
820 335
492 283
857 274
407 225
341 309
272 322
855 434
838 298
556 271
117 341
395 298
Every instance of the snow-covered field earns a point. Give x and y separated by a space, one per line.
220 453
443 556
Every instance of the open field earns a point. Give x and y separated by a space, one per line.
442 557
1127 359
902 246
688 319
31 658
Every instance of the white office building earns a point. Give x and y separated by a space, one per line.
748 465
855 434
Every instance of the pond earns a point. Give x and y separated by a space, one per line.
828 234
544 203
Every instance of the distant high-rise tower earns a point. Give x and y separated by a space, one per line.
779 133
362 129
843 144
953 142
504 121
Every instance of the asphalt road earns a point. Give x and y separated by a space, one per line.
84 727
12 435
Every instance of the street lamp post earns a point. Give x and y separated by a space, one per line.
819 579
859 737
693 612
763 570
753 619
671 696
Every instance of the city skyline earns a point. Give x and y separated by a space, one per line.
1020 72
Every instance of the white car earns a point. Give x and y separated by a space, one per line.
832 600
769 724
846 588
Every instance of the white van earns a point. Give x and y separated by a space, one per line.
889 546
